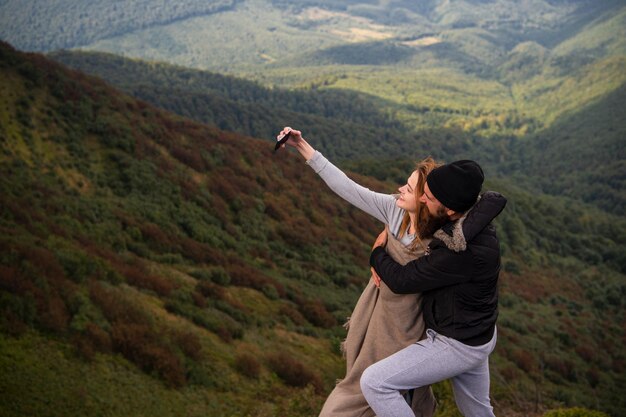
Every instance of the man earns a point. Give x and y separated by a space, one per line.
458 278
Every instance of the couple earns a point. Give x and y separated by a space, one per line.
429 312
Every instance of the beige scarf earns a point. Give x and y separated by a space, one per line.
381 324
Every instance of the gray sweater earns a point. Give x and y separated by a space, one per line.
381 206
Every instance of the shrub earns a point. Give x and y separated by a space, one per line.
45 261
293 372
76 264
316 314
509 373
114 307
524 360
93 339
140 345
210 290
292 314
218 275
189 343
188 157
563 367
219 323
138 276
575 412
198 299
99 337
273 210
224 333
586 353
593 377
270 292
53 314
248 365
246 276
17 312
201 274
11 324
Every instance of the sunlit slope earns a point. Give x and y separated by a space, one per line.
486 68
573 121
472 73
141 247
42 26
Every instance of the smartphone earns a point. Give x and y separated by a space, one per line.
282 139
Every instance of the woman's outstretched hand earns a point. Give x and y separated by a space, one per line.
295 136
296 140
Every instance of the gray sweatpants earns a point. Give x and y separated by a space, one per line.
431 360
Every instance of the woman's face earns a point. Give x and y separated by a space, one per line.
407 200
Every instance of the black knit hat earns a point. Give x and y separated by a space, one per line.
456 185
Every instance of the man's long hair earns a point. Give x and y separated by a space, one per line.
422 216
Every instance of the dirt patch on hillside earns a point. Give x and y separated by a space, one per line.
427 41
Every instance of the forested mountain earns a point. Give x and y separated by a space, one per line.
40 26
347 125
171 264
354 126
152 264
133 240
583 155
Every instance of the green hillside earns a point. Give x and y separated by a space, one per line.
352 126
141 245
151 264
582 156
346 124
42 26
486 68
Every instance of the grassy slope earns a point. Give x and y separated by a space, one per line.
350 125
57 246
520 318
36 26
458 73
484 79
43 377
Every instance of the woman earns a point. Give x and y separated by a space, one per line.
382 322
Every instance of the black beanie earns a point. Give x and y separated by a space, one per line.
456 185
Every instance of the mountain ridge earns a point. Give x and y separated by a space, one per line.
358 125
142 245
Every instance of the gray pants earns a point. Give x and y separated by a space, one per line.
431 360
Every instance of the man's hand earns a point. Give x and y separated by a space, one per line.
375 277
381 240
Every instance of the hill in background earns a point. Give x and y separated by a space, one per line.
155 264
355 126
531 80
146 255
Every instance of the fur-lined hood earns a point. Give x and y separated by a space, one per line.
455 235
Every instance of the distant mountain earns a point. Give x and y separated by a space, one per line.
152 264
582 156
487 68
44 26
69 23
354 126
347 125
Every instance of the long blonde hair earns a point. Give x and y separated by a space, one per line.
424 167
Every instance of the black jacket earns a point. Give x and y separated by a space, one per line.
457 277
